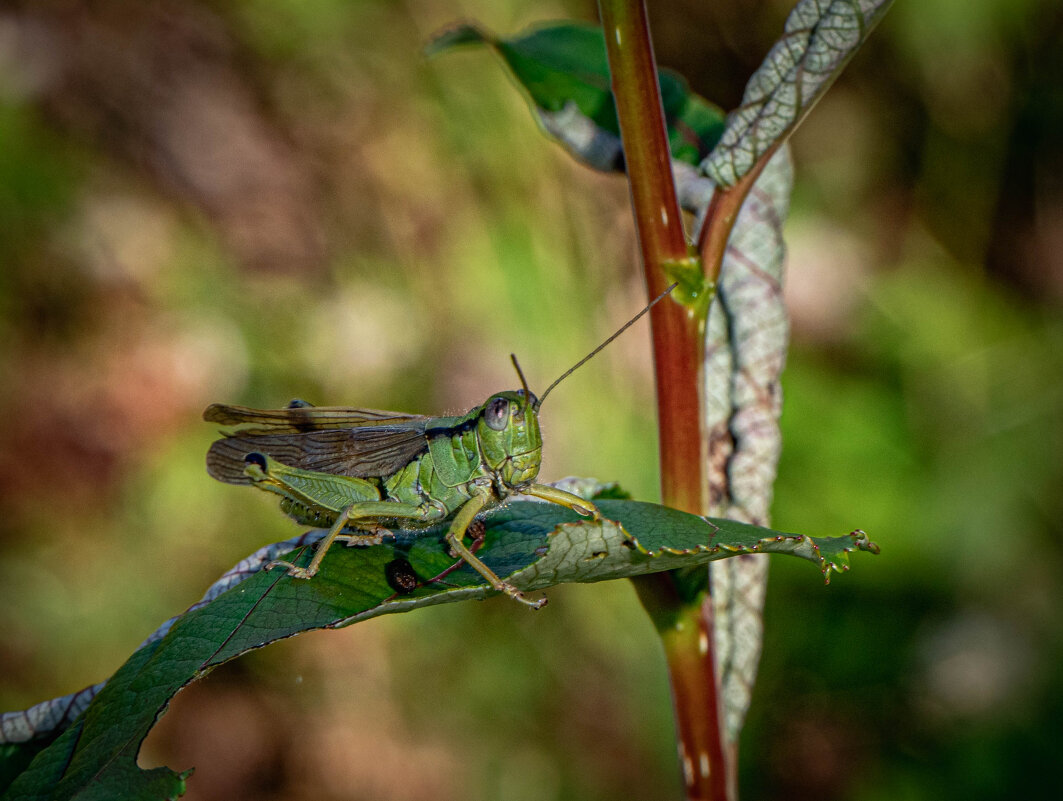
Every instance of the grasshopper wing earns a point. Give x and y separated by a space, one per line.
351 442
304 418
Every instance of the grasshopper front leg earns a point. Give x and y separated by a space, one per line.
566 499
474 505
455 537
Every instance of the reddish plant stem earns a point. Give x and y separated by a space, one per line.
678 348
677 333
685 626
687 644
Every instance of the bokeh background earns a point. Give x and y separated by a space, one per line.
247 202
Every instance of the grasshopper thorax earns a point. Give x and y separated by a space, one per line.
510 440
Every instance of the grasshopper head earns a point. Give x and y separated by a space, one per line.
508 430
508 425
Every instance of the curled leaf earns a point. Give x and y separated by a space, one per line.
745 351
819 38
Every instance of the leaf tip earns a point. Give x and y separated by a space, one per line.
464 33
863 542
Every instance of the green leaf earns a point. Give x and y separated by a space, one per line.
16 757
531 545
819 38
564 70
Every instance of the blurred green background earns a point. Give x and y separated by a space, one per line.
248 202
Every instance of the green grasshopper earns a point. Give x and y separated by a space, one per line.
355 469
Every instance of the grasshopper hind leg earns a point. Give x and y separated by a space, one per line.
362 511
376 537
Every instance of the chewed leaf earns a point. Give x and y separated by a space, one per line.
564 70
819 38
731 538
532 545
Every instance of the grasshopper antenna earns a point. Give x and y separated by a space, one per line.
595 352
523 381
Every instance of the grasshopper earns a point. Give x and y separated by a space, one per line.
356 469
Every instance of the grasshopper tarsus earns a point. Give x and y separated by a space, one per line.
508 589
292 570
538 603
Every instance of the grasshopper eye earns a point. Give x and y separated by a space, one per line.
496 415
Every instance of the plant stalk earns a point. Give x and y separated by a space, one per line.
678 349
678 341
